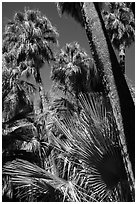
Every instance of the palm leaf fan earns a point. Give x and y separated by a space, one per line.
32 181
94 140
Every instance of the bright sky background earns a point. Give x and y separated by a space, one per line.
68 29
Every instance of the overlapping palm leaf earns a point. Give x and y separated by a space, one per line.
120 23
33 181
17 99
92 139
86 165
74 71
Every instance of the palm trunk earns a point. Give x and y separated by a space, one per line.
41 90
122 57
131 88
114 83
42 96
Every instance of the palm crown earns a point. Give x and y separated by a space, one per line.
74 71
28 43
72 152
120 25
29 38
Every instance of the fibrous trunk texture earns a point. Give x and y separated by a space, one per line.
42 96
41 90
122 57
114 84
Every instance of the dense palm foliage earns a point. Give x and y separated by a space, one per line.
83 171
28 41
74 71
120 25
110 74
72 150
16 93
27 44
17 112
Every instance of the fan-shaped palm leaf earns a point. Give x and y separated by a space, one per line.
32 181
111 77
93 139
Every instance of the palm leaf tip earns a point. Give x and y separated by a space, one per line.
71 8
25 175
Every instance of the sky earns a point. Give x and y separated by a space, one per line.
69 31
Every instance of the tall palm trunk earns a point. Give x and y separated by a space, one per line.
122 57
42 96
114 83
41 90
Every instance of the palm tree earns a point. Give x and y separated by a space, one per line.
17 108
98 127
19 120
87 171
36 184
29 40
17 126
89 16
16 94
74 71
84 169
120 25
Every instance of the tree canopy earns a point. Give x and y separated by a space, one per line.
74 149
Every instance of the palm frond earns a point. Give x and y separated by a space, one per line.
74 71
120 23
17 101
33 181
73 9
20 129
96 149
7 187
30 25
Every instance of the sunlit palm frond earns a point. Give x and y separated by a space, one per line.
120 23
29 41
97 150
33 181
94 107
30 36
